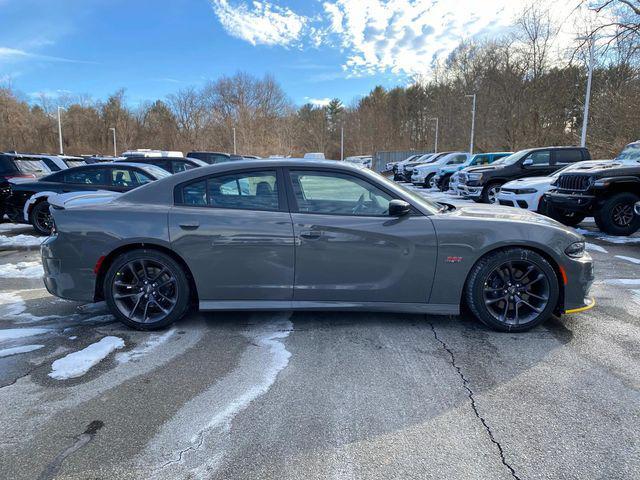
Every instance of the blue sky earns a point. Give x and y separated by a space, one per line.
315 49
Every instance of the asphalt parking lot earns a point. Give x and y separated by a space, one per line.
318 395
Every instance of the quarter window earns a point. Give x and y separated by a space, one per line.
338 194
245 191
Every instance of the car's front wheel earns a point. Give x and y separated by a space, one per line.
146 289
40 218
490 193
616 216
429 181
512 290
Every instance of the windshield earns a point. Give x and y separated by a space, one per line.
428 158
511 159
156 171
630 152
431 206
36 167
75 163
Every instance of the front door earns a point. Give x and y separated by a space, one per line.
348 248
234 231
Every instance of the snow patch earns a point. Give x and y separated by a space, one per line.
22 270
78 363
595 248
619 240
97 307
21 241
629 259
7 352
12 306
623 281
15 333
151 343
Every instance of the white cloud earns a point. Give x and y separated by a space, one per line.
396 36
8 54
318 102
260 23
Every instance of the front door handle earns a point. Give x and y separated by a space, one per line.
189 225
310 235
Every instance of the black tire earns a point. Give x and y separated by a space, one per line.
427 180
566 217
444 184
616 216
485 297
487 196
40 218
144 290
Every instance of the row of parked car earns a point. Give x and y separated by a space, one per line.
28 180
561 182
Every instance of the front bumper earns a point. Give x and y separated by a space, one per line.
577 278
471 192
417 179
574 202
527 201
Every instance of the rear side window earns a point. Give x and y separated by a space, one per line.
244 191
92 176
563 157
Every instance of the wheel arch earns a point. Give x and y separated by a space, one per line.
540 251
108 260
32 201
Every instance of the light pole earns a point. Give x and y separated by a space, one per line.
341 143
60 131
473 121
587 99
115 149
435 146
234 141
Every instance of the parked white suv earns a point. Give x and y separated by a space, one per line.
424 174
527 192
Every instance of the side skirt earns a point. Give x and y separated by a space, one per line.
434 309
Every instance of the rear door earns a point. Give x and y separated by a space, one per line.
348 248
234 231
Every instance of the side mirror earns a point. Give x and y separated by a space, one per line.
527 163
398 208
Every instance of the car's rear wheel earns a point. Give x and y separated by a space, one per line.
512 290
40 218
490 193
146 289
616 216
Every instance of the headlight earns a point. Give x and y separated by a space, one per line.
575 250
525 190
474 176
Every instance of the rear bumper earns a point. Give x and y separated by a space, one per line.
64 274
574 202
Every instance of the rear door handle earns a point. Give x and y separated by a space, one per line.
189 225
309 235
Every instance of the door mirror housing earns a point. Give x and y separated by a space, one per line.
398 208
527 163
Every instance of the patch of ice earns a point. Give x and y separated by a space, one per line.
22 270
629 259
73 337
619 240
21 241
151 343
12 306
583 231
8 227
595 248
78 363
96 307
7 352
14 333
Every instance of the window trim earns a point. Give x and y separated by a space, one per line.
282 197
293 201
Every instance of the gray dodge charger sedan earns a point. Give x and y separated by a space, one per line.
295 234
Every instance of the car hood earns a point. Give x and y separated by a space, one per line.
501 214
77 199
529 182
484 168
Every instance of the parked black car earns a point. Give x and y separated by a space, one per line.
170 164
608 193
214 157
26 201
483 183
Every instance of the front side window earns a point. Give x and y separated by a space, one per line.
181 166
338 194
245 191
540 158
457 160
85 177
121 177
